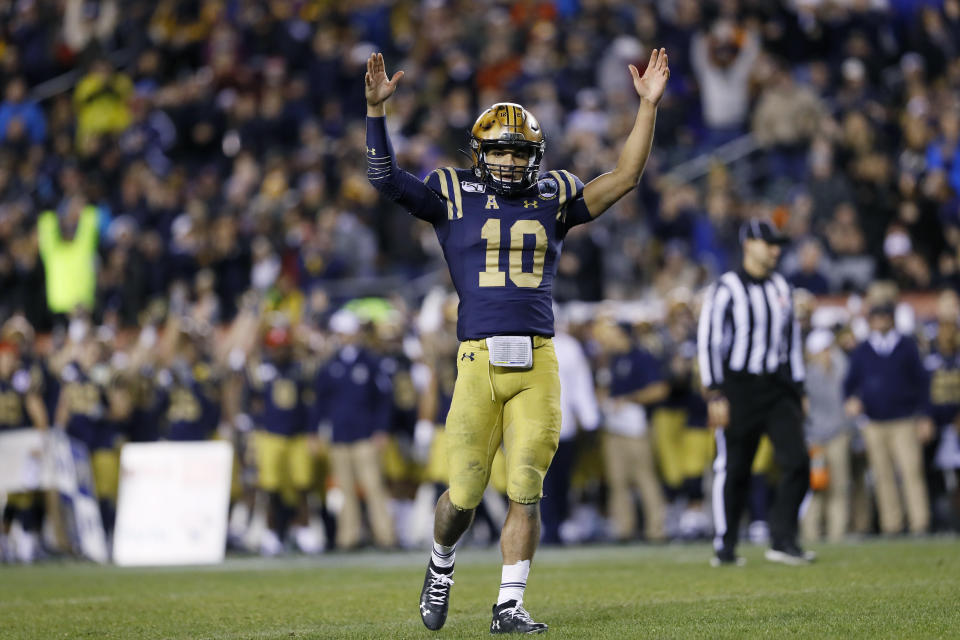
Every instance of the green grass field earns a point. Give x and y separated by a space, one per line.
881 589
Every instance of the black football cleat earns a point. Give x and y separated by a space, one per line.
435 596
511 617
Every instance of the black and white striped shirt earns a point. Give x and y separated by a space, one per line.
748 326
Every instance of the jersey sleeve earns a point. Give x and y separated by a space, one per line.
393 182
573 210
445 184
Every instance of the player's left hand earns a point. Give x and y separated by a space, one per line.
652 84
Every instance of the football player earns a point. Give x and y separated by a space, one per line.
281 441
501 225
188 391
21 405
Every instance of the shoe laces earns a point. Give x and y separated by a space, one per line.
519 613
440 584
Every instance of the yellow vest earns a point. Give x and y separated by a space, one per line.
70 265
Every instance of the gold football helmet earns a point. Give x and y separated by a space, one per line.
507 125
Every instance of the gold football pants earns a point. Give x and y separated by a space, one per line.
519 408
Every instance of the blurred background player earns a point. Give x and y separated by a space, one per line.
580 415
189 392
402 380
942 452
281 441
681 439
87 414
21 406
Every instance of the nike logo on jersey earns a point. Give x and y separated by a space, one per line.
473 187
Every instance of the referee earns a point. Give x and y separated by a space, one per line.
751 363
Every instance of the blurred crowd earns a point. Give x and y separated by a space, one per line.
338 428
218 144
184 205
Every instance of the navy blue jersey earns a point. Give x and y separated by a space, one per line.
13 393
190 407
86 408
501 251
632 371
401 394
350 395
148 408
944 371
284 394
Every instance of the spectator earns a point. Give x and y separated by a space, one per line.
21 120
722 60
809 272
786 118
86 23
944 151
101 102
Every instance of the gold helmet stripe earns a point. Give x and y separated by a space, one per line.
445 190
456 191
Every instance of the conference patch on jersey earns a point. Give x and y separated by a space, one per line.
548 188
472 187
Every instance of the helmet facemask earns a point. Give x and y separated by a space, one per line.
508 179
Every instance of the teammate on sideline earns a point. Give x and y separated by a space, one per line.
501 226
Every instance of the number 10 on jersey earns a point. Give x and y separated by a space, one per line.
491 276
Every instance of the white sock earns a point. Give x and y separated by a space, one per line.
513 581
443 556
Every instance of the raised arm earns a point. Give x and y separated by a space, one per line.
382 170
603 191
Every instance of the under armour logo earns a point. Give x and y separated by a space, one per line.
372 150
467 356
527 204
423 609
495 626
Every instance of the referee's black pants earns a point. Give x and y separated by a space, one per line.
758 405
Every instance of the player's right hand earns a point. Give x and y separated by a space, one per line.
377 86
